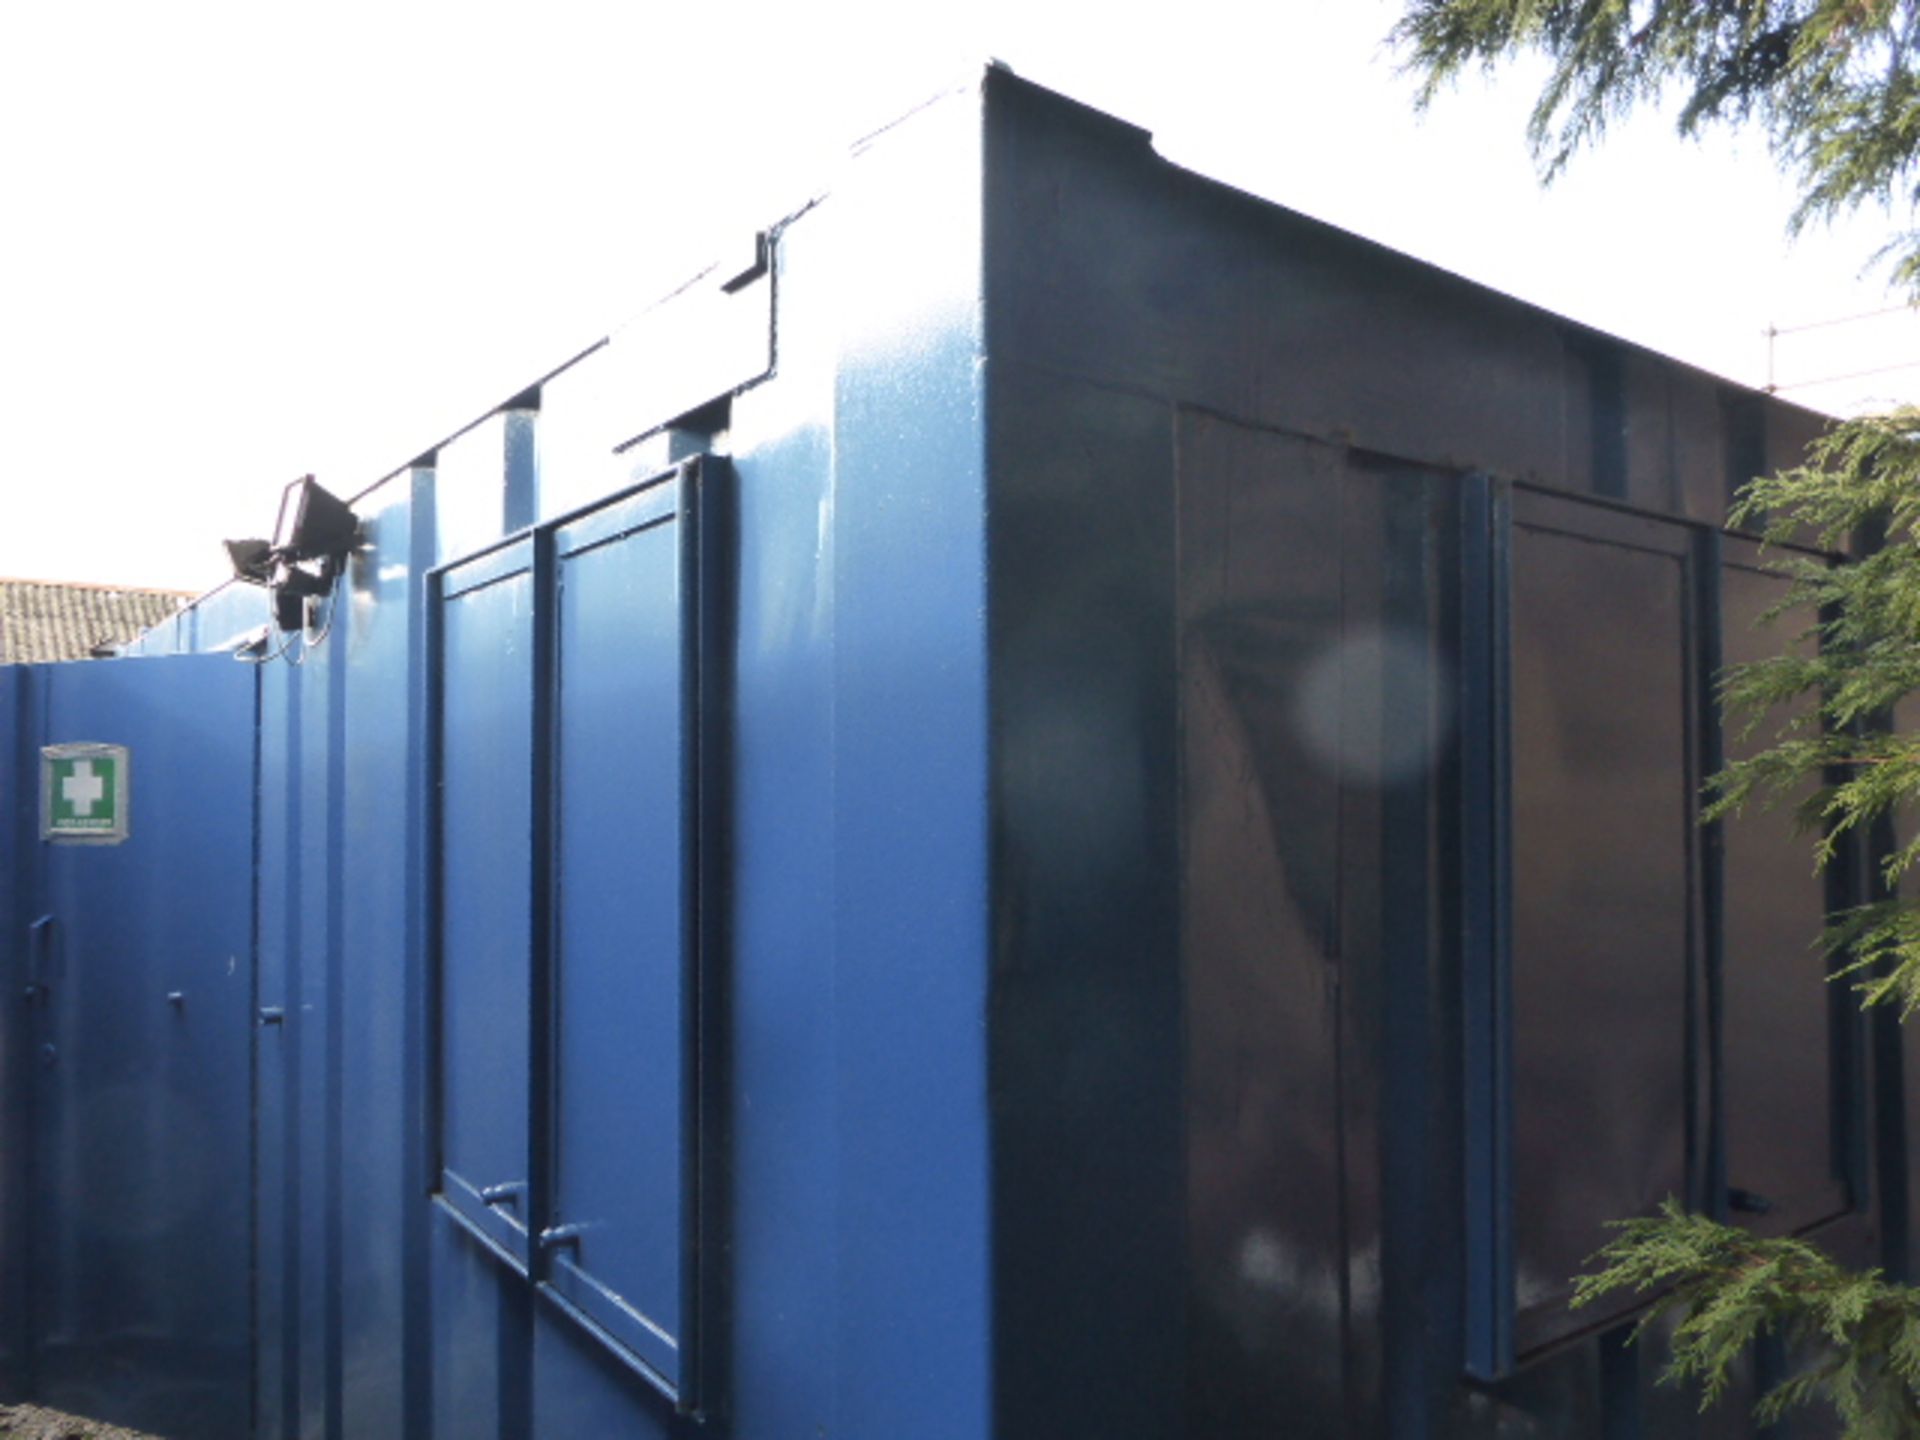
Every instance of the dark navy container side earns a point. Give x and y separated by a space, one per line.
1088 1162
1334 398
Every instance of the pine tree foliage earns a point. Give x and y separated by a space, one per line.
1833 83
1839 751
1729 1289
1837 755
1825 705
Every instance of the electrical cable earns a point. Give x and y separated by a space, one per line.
263 658
1852 375
311 641
1838 320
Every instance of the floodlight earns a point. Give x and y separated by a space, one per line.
252 560
314 524
295 585
289 609
304 580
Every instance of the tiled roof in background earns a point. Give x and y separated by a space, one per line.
50 620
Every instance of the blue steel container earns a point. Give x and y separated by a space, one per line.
1057 802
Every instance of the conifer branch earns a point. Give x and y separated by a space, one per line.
1835 87
1727 1289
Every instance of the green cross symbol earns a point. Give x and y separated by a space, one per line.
84 793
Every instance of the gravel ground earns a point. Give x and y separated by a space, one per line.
33 1422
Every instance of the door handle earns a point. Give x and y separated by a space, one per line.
506 1193
559 1236
1748 1202
39 946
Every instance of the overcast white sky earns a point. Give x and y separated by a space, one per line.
244 241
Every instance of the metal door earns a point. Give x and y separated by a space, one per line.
139 979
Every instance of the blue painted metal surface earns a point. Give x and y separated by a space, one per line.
484 926
379 1007
623 981
19 840
915 845
136 1000
565 995
275 1083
